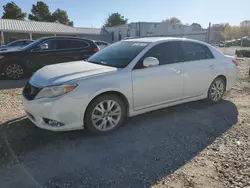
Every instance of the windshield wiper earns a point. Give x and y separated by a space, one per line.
100 63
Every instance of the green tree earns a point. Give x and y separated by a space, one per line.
115 19
219 27
40 12
172 20
12 11
61 16
197 25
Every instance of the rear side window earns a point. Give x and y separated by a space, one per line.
194 51
78 44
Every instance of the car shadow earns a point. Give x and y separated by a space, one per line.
148 148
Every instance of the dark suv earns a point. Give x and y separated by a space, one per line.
45 51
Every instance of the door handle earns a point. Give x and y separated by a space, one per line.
211 66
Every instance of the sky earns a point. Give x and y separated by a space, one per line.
92 13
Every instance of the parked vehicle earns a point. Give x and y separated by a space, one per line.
101 44
127 78
45 51
15 45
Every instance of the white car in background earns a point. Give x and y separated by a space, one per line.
101 44
15 45
125 79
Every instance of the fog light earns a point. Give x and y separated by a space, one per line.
53 123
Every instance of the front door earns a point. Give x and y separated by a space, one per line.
158 85
45 54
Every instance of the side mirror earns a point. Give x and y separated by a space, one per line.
44 46
41 47
150 62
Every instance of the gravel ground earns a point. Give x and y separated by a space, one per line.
190 145
226 162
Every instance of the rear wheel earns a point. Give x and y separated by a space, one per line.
216 90
106 113
14 71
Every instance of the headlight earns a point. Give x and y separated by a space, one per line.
55 91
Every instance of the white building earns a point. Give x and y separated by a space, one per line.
141 29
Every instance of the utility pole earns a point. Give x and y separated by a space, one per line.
208 33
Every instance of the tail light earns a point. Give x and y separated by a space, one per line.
235 62
96 49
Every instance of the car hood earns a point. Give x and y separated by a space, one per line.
10 52
64 72
11 49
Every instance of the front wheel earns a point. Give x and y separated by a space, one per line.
216 90
106 113
14 71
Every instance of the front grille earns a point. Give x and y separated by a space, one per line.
30 91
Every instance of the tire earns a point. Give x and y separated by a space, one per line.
216 90
14 71
110 119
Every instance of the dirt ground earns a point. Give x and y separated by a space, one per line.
226 162
192 145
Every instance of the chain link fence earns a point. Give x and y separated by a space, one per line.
228 43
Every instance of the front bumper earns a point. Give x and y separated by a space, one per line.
63 109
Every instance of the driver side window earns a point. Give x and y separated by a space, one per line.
166 53
47 45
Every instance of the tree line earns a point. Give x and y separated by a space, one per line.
39 12
225 31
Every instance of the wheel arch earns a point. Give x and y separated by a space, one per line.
112 92
224 78
13 61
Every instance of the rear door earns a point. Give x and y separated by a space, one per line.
199 68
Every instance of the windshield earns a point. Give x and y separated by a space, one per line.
119 54
32 44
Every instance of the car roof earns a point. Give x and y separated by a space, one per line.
100 41
23 40
65 37
156 39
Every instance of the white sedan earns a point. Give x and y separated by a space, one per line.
127 78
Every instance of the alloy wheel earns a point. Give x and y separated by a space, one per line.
106 115
217 90
14 71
